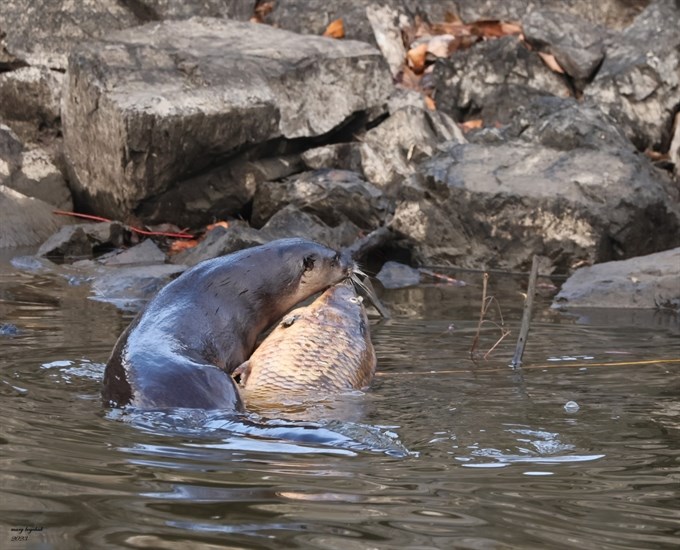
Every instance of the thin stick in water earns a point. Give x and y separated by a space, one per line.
526 316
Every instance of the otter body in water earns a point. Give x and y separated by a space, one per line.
181 349
323 348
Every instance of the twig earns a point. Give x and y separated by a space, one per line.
526 316
482 312
133 229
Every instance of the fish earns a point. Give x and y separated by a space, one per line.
323 348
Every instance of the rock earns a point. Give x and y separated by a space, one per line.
176 98
222 192
31 171
639 81
577 45
674 149
146 252
397 275
220 241
292 222
332 195
391 151
82 241
498 204
42 33
336 156
650 281
30 100
611 13
25 221
130 287
386 23
491 78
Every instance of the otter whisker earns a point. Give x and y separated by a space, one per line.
369 291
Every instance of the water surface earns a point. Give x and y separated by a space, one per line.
444 452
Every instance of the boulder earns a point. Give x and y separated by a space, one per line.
146 252
576 44
336 156
30 100
651 281
638 83
398 275
221 192
497 204
391 151
492 77
611 13
292 222
31 171
220 241
25 221
42 33
86 240
332 195
150 106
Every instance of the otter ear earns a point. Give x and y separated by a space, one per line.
308 262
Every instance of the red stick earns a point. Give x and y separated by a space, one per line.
135 229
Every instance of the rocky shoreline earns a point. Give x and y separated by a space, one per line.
467 134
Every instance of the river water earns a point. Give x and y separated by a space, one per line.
443 452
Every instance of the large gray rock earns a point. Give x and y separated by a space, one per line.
491 78
332 195
25 221
651 281
42 33
220 241
149 106
30 100
81 241
496 204
577 45
639 81
391 151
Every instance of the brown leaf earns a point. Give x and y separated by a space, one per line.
178 246
471 124
408 79
440 45
416 58
335 29
216 224
262 10
493 28
551 62
430 103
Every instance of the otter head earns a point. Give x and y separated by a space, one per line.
307 268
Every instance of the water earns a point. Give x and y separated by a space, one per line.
443 452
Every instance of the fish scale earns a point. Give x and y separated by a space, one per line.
325 347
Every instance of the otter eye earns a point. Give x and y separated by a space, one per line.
308 263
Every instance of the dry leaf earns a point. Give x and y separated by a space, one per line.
216 224
439 45
551 62
408 79
178 246
335 29
416 58
261 11
493 28
430 103
471 124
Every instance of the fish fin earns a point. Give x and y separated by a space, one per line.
241 372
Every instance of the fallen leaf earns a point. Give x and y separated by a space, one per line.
439 45
471 124
656 155
493 28
216 224
551 62
262 10
335 29
416 57
408 79
430 103
178 246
